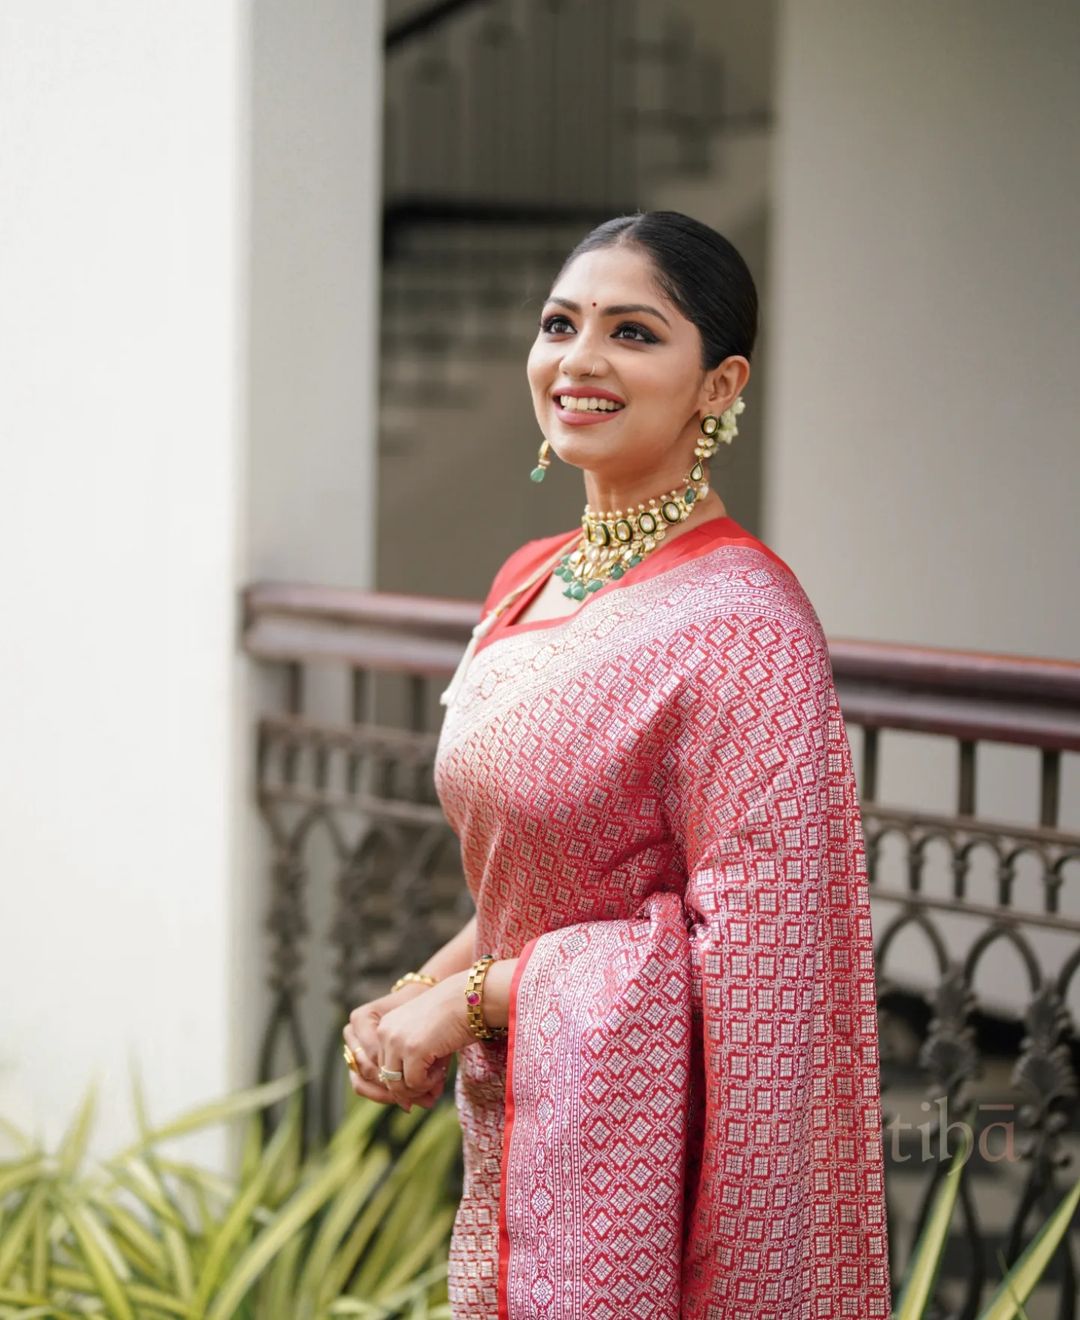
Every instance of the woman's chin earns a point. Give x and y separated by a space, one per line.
601 439
576 451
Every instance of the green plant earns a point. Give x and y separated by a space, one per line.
351 1230
1018 1282
348 1231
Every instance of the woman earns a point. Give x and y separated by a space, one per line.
665 1004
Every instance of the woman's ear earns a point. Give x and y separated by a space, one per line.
724 384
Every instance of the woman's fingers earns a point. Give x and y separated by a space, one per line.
437 1084
405 1095
369 1092
365 1078
364 1043
366 1069
429 1097
421 1086
364 1081
381 1092
361 1028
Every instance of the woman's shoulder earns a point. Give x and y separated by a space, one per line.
745 636
742 583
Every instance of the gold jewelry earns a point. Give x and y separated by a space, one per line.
474 999
389 1074
425 977
542 463
350 1059
615 541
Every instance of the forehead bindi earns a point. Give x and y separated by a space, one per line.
616 309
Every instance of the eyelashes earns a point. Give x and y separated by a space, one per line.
646 335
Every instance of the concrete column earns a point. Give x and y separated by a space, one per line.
188 249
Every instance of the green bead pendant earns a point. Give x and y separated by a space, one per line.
537 474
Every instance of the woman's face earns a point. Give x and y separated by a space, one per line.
606 315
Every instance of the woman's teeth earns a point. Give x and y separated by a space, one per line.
588 405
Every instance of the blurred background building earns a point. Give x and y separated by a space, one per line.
270 272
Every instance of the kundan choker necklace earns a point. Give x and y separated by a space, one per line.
615 541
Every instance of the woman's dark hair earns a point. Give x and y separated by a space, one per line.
697 269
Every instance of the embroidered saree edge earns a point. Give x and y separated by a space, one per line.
594 1181
508 1126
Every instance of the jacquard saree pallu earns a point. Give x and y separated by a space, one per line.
658 817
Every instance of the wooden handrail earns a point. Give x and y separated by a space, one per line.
974 696
944 669
357 608
970 695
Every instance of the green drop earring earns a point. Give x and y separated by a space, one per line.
543 460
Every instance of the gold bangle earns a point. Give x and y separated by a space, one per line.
474 1000
424 977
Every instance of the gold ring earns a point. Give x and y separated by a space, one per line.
350 1059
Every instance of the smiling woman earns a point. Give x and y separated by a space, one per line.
665 355
665 1011
662 370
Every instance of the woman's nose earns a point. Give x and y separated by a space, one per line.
582 360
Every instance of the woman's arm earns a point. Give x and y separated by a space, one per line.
456 957
497 992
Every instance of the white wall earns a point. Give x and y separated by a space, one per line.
120 233
922 464
134 505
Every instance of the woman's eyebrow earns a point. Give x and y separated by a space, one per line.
618 309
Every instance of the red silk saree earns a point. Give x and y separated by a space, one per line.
658 817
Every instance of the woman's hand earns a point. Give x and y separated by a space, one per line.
414 1031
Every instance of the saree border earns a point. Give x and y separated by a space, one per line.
502 1294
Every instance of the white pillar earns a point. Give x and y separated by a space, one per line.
171 175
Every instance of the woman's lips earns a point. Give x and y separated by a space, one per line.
574 417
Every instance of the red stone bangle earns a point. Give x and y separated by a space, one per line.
474 1000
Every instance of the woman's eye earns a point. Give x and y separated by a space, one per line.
548 325
641 334
646 336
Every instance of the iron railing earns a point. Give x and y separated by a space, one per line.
364 881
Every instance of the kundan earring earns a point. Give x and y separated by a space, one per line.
543 460
723 427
